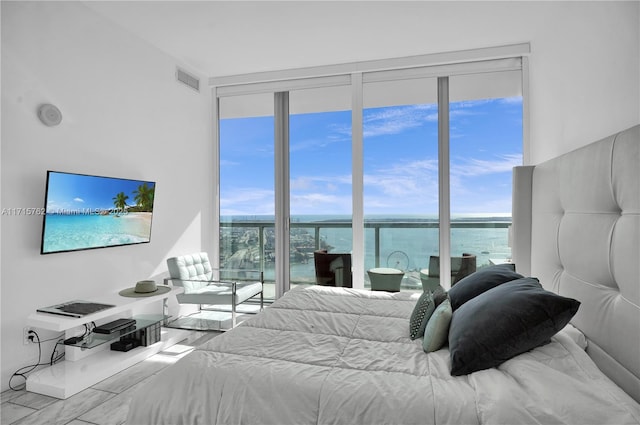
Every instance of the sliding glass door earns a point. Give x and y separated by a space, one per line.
247 190
320 189
402 168
400 132
485 144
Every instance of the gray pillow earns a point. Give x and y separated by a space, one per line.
505 321
482 280
437 330
421 313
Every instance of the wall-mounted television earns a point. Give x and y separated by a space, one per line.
87 212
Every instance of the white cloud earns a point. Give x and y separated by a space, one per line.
395 120
80 200
302 183
247 201
228 163
405 186
319 183
321 195
313 199
516 100
321 143
247 195
321 203
406 181
463 104
477 167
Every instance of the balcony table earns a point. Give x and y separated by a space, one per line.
385 279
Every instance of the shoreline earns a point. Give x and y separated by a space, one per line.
72 232
139 224
137 215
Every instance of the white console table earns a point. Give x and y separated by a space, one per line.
83 368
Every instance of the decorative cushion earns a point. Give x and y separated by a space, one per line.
503 322
480 281
423 310
421 313
437 330
439 297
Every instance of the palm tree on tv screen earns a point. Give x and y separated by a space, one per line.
144 197
120 201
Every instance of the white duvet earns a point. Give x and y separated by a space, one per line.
343 356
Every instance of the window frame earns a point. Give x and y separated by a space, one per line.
441 65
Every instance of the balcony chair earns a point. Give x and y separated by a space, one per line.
204 285
460 267
333 269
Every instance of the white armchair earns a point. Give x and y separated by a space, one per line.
204 285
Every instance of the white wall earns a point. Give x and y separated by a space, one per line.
124 115
584 58
584 72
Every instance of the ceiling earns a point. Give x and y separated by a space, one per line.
220 38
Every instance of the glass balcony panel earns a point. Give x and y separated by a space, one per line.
247 202
398 244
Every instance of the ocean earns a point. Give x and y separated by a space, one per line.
404 242
65 232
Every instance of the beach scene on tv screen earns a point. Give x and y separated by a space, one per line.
85 212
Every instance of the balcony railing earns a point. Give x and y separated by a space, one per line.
400 244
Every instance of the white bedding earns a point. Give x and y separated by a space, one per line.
327 355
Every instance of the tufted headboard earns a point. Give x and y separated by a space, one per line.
576 226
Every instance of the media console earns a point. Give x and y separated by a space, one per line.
90 361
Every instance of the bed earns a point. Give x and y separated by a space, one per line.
339 355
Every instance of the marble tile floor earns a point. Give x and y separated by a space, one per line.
106 403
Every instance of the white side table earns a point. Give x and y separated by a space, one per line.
83 368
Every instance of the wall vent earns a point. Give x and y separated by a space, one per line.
188 79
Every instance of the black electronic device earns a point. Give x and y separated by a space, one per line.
124 345
73 340
115 326
76 308
87 212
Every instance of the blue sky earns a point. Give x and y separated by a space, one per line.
400 160
76 192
